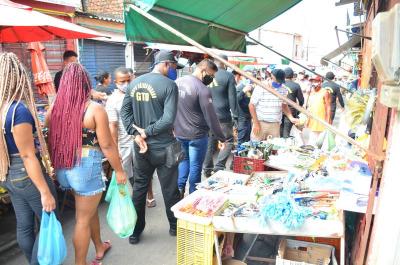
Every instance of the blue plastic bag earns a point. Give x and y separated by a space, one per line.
52 249
121 214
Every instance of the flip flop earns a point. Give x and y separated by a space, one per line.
107 245
151 203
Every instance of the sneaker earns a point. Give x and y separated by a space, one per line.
172 231
134 239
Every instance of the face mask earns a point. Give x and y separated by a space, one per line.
123 88
276 85
172 74
207 79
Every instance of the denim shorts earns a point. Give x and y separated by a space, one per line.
85 179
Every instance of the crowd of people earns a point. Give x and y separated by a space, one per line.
148 124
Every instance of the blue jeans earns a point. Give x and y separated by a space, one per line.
195 152
25 198
244 131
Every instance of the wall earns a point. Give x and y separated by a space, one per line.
110 8
385 239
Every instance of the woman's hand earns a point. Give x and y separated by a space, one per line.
121 177
48 201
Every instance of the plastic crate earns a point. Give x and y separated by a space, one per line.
195 243
247 166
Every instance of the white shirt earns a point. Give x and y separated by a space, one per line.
113 108
268 106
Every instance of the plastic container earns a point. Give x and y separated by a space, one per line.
195 243
244 165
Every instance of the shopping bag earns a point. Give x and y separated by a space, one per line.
52 249
110 191
326 141
121 215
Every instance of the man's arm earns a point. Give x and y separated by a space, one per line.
288 113
340 97
210 115
166 122
300 96
127 115
232 96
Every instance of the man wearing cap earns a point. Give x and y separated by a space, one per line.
334 91
266 109
148 113
223 92
319 105
294 94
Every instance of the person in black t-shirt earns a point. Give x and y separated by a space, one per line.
295 94
223 91
148 112
68 57
334 91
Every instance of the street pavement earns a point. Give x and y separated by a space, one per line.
156 247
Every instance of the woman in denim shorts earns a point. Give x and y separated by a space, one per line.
21 171
79 136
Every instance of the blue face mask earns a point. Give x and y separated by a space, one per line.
172 74
276 85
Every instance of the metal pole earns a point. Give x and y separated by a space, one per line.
351 33
256 81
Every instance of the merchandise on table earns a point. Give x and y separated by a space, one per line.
267 183
200 206
245 209
223 180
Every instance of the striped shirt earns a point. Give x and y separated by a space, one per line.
268 107
113 108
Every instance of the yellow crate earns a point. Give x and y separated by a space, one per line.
195 243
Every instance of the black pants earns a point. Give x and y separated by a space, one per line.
208 166
286 127
333 112
144 168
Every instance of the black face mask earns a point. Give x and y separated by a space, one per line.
207 79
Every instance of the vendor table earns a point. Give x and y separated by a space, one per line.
311 228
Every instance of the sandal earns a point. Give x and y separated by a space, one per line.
151 203
107 246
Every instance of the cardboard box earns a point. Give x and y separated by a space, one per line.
293 252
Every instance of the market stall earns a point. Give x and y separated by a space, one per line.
306 200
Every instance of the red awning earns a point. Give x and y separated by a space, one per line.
19 23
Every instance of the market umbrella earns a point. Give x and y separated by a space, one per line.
20 23
41 74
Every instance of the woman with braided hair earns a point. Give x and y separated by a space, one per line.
20 170
79 135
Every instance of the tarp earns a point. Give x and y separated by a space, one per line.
214 24
352 42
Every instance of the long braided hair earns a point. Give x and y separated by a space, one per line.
15 85
66 121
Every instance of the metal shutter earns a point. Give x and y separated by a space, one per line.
101 56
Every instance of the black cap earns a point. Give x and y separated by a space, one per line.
289 72
330 76
279 75
164 56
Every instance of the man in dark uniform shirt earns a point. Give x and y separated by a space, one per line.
195 118
148 112
68 57
334 91
223 91
295 94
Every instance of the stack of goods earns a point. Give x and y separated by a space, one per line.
295 158
244 209
267 183
255 150
223 181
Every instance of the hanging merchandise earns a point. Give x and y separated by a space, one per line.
52 249
121 214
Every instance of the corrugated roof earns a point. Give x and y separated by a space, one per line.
104 18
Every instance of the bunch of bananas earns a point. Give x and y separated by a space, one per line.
356 107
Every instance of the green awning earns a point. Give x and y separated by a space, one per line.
214 24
